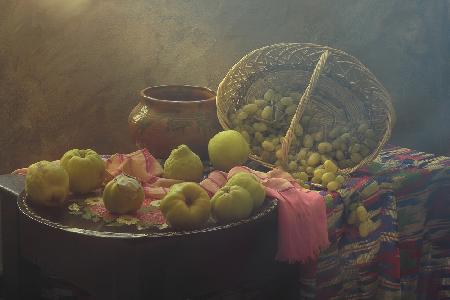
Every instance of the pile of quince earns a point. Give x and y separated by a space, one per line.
186 206
80 172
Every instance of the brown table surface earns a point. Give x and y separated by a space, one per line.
239 259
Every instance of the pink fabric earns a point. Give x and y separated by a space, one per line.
302 221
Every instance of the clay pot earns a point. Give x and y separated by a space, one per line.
168 116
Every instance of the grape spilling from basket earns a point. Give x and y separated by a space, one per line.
316 151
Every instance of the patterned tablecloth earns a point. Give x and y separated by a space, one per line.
408 255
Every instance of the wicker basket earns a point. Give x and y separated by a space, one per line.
334 86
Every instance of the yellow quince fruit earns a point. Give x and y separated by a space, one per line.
228 149
123 194
186 206
250 183
183 164
231 203
47 183
86 170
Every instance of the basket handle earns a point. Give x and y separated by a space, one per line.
286 141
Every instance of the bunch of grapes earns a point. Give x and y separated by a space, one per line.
315 153
360 217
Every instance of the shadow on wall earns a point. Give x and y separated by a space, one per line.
70 70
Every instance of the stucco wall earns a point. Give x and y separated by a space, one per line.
70 70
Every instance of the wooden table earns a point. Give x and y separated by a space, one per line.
238 260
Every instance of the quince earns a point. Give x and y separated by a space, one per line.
47 183
251 183
228 149
86 170
183 164
186 206
231 203
123 194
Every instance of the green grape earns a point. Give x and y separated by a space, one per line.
303 163
361 213
346 137
302 154
340 179
328 177
316 180
298 129
235 122
301 168
363 128
279 153
334 133
267 113
370 134
290 110
286 101
260 102
332 186
303 176
266 156
371 143
242 115
330 166
308 141
324 158
349 163
310 170
324 147
259 126
305 120
319 173
268 146
364 150
259 137
356 157
339 155
292 166
342 146
318 136
295 96
249 129
245 135
306 186
364 229
314 159
355 148
250 108
276 141
269 95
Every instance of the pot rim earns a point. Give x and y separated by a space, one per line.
146 97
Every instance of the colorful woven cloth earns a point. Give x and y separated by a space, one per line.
408 256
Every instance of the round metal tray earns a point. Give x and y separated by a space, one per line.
61 219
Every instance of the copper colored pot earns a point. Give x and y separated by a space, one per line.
168 116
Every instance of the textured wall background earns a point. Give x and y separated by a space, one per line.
70 70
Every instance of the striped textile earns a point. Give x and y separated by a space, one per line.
408 255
